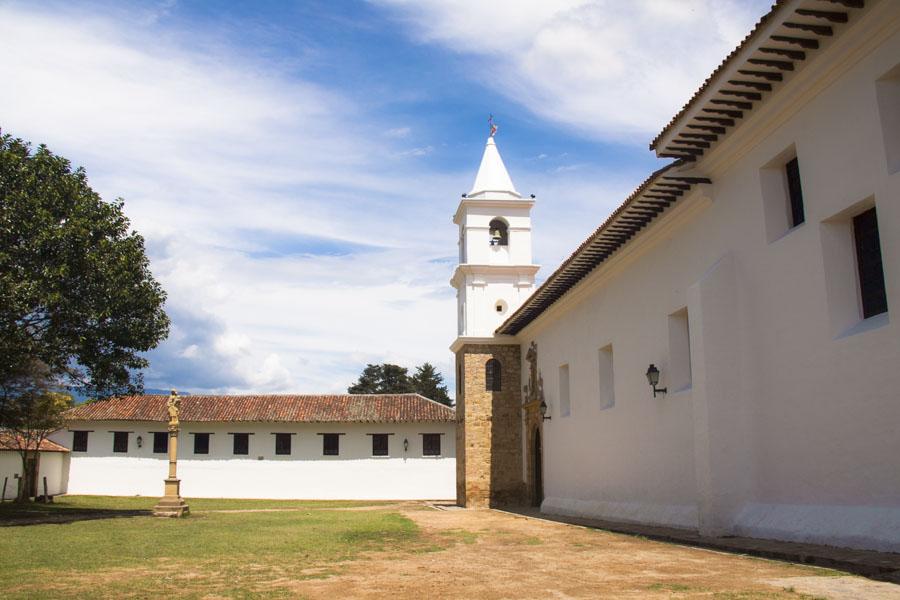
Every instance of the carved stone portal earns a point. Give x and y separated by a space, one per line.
534 423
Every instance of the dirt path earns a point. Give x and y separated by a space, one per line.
496 555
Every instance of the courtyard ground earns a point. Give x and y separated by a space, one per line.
95 547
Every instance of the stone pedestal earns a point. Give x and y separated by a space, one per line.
172 504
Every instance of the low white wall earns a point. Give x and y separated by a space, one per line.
53 466
306 473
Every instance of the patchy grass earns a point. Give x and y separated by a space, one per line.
460 535
219 553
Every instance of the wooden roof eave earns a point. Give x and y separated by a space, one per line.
638 211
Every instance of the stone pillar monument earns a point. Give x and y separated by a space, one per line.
172 504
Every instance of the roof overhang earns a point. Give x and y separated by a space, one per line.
777 47
652 198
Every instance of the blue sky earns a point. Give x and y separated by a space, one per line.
294 165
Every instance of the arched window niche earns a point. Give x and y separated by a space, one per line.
493 376
499 232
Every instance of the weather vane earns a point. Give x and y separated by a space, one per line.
493 127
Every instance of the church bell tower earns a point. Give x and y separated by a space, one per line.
494 277
495 273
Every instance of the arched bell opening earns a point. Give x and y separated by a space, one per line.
499 232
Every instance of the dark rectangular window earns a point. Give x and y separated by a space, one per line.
242 443
795 192
331 444
120 441
868 261
79 441
201 443
379 444
431 444
160 442
282 443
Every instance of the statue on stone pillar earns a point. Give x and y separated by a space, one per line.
172 504
174 407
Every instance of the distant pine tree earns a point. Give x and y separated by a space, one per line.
430 383
394 379
382 379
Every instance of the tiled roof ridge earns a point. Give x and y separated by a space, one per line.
6 443
318 408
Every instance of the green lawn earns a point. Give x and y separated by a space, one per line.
118 551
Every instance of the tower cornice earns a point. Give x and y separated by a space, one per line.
489 203
527 271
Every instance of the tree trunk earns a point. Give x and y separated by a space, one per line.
27 487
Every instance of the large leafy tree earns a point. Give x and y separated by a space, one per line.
76 291
387 378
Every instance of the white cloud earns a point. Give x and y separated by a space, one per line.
608 68
297 236
398 132
248 185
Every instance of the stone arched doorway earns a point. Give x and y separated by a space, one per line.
537 468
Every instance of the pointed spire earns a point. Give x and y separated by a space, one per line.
492 181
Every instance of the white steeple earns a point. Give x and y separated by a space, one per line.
492 179
495 273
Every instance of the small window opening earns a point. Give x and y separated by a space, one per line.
282 443
499 232
160 442
379 444
120 441
241 444
607 386
493 376
679 351
565 401
79 441
795 192
201 443
331 444
869 264
431 444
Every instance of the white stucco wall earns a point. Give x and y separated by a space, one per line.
53 466
306 473
790 427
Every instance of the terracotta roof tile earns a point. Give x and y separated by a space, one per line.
8 442
339 408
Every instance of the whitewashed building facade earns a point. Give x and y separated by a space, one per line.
52 468
372 447
760 275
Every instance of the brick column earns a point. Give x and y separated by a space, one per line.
489 429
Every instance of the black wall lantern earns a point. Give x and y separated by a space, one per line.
653 379
543 409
